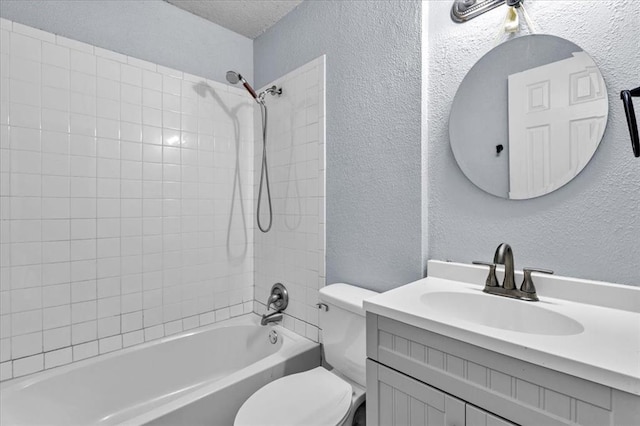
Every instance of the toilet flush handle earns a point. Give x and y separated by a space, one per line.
322 306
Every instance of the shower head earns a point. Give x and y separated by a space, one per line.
234 78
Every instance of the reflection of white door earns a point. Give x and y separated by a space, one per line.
557 114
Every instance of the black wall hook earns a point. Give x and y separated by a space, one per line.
626 96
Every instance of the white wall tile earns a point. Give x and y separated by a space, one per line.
84 332
108 54
107 68
5 350
154 332
57 338
24 70
56 295
24 230
55 142
117 205
25 185
25 47
86 350
57 78
24 366
110 344
83 84
109 326
26 344
130 74
25 116
26 322
26 299
133 338
6 370
130 93
59 357
56 55
25 138
55 208
56 273
55 164
82 61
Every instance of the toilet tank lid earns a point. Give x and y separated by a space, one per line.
346 296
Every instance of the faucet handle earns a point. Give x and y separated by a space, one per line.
492 280
527 284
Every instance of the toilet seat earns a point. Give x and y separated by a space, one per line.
315 397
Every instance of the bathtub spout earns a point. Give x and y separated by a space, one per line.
272 317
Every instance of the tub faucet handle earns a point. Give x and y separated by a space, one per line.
279 297
273 298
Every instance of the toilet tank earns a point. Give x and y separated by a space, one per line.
343 329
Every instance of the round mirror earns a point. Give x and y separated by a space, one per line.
528 116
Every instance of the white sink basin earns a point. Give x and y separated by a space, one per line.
500 312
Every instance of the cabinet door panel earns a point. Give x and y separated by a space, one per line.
479 417
398 400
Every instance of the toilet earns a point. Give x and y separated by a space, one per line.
321 396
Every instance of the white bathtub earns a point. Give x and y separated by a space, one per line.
197 377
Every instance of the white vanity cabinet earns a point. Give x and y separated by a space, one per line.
417 377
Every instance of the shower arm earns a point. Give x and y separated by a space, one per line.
273 91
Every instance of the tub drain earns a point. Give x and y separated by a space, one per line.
273 336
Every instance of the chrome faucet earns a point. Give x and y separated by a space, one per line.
504 256
279 298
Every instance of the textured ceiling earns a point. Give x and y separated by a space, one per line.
247 17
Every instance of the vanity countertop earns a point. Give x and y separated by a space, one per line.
603 346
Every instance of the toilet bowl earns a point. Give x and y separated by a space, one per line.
321 396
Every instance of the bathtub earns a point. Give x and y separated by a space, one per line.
197 377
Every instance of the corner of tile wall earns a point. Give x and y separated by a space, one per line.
126 201
293 252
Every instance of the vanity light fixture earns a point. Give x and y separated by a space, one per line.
463 10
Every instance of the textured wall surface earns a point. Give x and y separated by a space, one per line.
589 228
152 30
374 196
125 198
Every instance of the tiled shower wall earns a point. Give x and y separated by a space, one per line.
293 252
126 201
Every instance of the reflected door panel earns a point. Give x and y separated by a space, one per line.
557 114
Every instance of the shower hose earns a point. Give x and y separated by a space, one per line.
264 173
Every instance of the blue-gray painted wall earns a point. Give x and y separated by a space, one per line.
373 152
149 29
